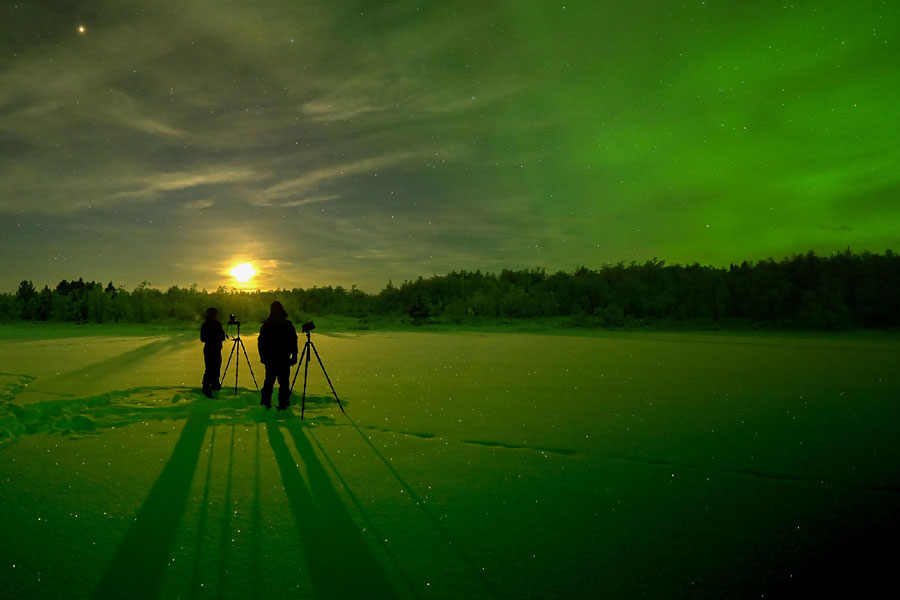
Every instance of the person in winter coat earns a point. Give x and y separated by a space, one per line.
212 335
277 345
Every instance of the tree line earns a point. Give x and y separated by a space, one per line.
843 290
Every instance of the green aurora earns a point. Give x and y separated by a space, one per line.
351 143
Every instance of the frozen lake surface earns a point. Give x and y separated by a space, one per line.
466 466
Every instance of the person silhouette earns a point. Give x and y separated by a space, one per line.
212 335
277 344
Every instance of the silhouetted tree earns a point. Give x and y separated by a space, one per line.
27 300
805 290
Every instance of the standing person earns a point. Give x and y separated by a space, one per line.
277 345
212 335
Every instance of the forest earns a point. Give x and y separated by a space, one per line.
842 291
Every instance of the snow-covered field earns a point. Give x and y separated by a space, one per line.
466 466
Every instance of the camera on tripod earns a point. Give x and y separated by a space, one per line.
308 350
237 342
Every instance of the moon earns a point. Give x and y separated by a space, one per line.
244 272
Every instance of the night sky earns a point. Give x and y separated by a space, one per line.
348 143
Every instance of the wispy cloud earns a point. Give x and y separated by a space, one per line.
337 110
305 188
167 182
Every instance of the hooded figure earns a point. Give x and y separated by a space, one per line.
277 345
212 335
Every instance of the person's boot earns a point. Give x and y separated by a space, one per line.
207 391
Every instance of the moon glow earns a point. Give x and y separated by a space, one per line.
244 272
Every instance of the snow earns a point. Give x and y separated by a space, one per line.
466 465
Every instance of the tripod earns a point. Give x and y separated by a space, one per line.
237 341
306 352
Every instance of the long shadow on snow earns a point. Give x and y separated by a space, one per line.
340 563
203 516
256 520
125 361
137 567
227 512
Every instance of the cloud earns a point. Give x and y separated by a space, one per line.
292 192
322 110
308 200
155 184
197 204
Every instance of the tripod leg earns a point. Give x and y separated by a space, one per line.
237 365
297 372
305 376
244 348
327 378
225 372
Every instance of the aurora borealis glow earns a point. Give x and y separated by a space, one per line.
348 143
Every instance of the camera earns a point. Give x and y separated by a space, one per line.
233 321
307 327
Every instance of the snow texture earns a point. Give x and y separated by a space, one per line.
466 466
